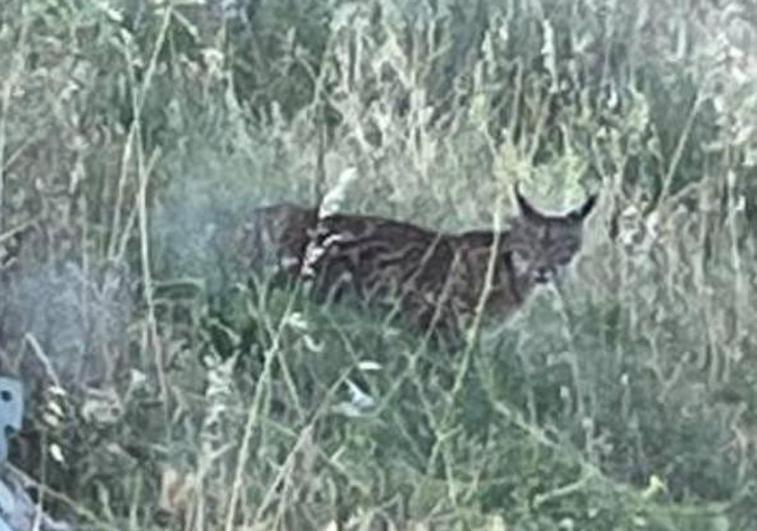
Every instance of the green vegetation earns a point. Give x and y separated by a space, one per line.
624 399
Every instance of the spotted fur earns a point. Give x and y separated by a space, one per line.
437 281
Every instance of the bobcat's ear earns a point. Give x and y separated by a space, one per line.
581 212
526 209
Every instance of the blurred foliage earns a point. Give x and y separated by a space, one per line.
134 134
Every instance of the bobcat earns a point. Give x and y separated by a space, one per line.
435 280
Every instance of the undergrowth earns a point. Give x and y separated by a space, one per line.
166 393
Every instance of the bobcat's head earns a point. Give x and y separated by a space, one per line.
541 246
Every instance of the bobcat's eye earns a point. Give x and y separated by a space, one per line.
521 261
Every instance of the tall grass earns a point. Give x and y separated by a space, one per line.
135 135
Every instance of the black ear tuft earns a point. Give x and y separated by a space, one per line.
526 209
581 212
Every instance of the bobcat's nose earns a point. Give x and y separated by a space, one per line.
542 275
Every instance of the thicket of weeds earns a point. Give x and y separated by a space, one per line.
133 134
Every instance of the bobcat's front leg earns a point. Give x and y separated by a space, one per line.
436 320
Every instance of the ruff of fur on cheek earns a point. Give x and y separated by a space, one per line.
512 278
